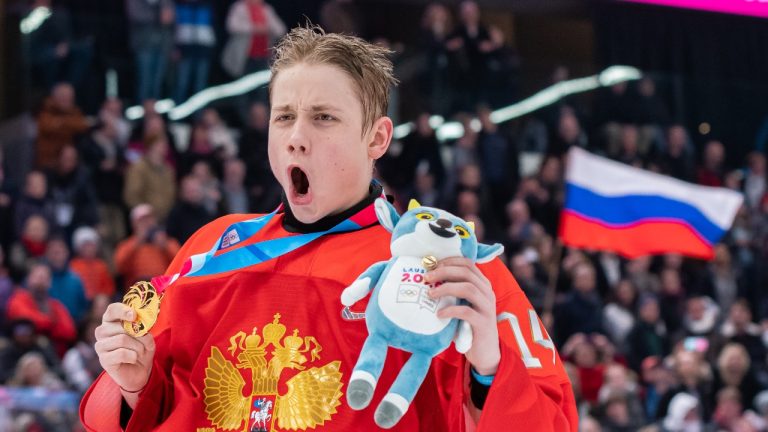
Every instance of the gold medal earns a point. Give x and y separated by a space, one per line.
429 262
145 301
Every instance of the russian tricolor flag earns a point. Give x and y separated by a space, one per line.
616 207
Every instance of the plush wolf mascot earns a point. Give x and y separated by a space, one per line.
400 313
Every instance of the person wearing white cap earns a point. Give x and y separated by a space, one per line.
148 251
683 414
93 270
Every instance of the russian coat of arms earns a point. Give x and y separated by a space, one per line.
312 394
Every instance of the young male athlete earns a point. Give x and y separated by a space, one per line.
251 336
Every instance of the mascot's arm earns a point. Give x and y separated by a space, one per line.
531 389
363 284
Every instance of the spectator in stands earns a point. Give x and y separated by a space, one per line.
755 180
734 370
195 40
54 53
582 310
700 319
672 300
152 180
629 152
590 363
638 271
189 213
33 201
711 172
253 27
219 134
683 414
112 113
235 195
31 371
532 284
494 151
71 193
30 247
469 46
24 339
418 147
520 227
59 123
619 312
49 315
648 337
200 148
436 26
151 39
66 286
81 364
146 253
425 189
658 381
253 151
569 133
728 409
723 281
677 159
650 113
210 184
695 378
86 264
739 328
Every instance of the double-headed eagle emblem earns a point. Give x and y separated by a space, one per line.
312 396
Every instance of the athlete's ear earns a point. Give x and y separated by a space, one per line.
386 214
379 137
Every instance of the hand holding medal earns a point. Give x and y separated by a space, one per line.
145 301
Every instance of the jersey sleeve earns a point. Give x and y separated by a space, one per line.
531 389
101 405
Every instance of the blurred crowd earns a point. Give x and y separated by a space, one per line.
661 343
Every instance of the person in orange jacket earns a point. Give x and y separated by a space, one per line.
252 334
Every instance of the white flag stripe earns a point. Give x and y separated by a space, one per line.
612 179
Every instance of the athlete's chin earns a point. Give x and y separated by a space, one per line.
306 213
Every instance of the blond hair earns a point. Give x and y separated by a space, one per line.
367 64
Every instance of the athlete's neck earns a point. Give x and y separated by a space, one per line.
291 224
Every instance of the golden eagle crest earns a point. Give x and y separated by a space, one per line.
312 396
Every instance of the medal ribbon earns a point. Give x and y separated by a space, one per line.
224 256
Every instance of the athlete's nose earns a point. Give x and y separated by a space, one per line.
444 223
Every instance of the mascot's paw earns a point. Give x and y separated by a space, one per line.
359 394
355 292
390 410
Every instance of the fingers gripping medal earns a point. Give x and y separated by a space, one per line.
145 301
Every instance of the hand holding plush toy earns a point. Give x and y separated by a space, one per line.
400 312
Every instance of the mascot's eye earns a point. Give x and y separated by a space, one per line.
462 232
425 216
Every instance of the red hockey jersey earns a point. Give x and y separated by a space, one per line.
266 348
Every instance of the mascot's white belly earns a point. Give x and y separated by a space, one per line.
404 299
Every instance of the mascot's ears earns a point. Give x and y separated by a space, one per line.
486 253
386 214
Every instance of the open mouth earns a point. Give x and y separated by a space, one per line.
442 232
300 192
300 181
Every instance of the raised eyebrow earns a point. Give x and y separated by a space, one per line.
282 108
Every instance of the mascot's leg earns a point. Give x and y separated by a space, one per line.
367 372
401 394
